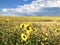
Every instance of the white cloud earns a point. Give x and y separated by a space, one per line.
6 9
33 7
54 3
30 8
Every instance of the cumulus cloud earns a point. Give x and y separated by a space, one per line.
7 10
53 3
35 6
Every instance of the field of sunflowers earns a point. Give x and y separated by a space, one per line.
29 31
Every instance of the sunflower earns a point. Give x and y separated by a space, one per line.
26 25
24 37
28 32
21 25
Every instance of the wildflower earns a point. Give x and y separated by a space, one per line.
56 30
24 37
28 28
26 25
28 32
21 25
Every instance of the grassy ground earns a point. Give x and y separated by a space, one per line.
31 18
29 30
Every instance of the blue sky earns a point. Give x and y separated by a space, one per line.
30 7
13 3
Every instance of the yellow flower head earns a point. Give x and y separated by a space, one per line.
21 25
26 25
23 37
28 28
28 32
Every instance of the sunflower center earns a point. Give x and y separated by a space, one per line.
28 27
22 25
24 36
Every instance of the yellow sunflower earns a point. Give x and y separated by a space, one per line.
24 37
21 25
28 28
26 25
27 32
